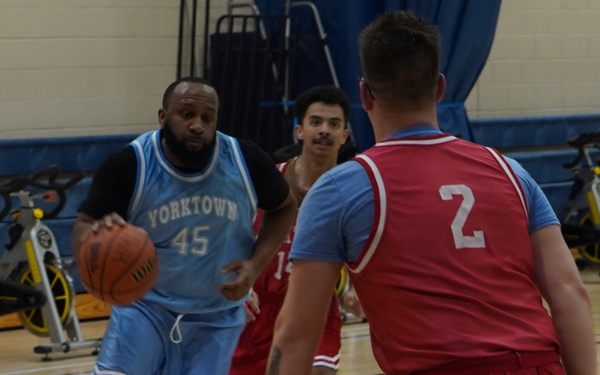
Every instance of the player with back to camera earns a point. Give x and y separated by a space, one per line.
451 246
195 191
323 113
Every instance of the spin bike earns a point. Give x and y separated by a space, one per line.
581 216
32 261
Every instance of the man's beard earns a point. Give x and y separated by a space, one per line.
190 159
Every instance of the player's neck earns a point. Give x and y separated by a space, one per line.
308 169
385 124
311 167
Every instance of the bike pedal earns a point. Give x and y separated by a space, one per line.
67 262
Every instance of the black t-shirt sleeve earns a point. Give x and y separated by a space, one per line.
114 181
112 185
270 185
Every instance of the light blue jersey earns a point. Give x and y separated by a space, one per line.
198 222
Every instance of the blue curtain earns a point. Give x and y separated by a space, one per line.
467 28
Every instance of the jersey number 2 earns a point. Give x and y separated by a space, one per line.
462 241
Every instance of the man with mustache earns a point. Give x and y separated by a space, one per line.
322 113
195 191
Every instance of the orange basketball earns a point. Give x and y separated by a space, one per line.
118 265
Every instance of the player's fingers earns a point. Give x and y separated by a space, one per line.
233 266
95 226
112 219
107 221
253 303
253 306
231 287
117 219
98 226
254 298
231 294
250 316
86 233
234 290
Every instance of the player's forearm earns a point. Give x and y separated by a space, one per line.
275 228
575 330
291 354
302 317
570 308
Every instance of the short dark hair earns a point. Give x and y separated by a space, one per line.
169 90
325 94
400 58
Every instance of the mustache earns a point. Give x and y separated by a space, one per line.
323 140
195 138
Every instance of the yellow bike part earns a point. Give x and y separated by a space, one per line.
590 253
62 290
341 286
595 214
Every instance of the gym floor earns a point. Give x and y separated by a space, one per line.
17 357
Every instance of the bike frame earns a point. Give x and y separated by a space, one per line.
33 243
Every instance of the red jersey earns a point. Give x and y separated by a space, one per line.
449 253
252 352
275 277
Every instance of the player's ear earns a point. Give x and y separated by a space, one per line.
162 116
441 88
345 135
299 132
365 97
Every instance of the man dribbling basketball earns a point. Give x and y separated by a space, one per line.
195 191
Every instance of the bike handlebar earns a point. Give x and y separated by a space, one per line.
45 179
52 172
580 142
7 187
577 160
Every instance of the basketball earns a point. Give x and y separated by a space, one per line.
118 265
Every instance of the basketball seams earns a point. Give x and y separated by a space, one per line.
105 259
147 245
127 271
97 284
104 283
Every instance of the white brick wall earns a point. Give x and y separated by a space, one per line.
82 67
544 61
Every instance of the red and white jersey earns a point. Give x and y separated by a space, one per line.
252 352
449 253
274 278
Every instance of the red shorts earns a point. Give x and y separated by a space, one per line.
252 352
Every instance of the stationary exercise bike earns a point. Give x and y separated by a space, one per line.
581 217
31 262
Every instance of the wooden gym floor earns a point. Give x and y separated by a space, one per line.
17 357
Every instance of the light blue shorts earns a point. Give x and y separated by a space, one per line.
141 339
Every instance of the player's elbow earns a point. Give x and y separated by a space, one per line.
564 298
